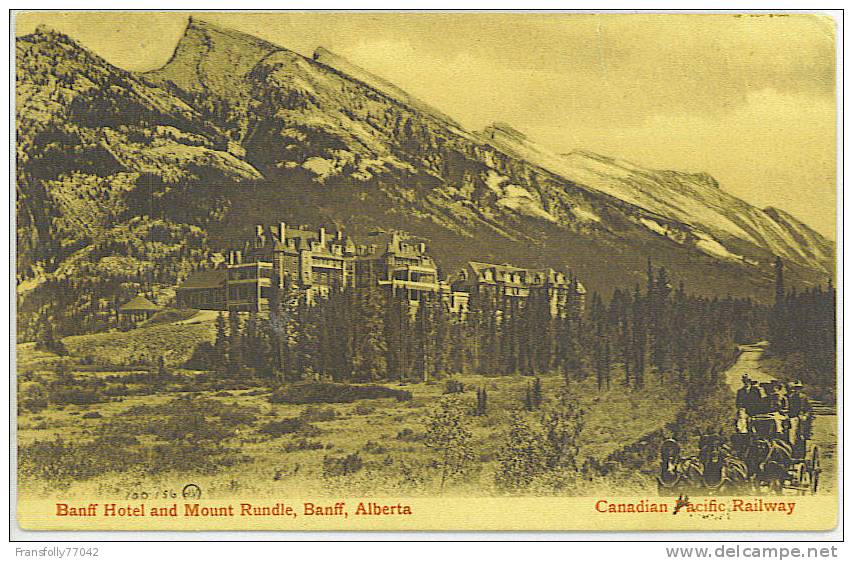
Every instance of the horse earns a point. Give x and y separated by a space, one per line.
677 473
768 459
722 470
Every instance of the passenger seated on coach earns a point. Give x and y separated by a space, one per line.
800 414
753 397
764 401
778 402
768 416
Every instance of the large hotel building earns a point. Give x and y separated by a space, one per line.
317 262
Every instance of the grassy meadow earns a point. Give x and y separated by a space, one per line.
101 422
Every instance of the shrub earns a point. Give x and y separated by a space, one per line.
339 466
185 418
287 426
187 425
116 390
411 476
364 409
372 447
204 357
408 435
92 415
453 386
193 457
325 392
74 396
115 451
319 414
57 461
241 416
449 437
32 398
302 444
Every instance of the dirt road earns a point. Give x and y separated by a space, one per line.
825 428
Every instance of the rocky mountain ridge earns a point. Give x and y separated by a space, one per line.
234 131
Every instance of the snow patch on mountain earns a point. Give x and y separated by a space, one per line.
693 199
526 206
517 198
712 247
654 226
585 215
321 167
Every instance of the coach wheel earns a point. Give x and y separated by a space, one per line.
814 468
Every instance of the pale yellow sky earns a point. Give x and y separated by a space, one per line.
749 99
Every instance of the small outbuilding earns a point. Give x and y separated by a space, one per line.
137 309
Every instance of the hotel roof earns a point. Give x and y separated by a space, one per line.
139 304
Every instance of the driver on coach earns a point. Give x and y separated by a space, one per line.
799 411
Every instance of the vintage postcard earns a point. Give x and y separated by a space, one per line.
425 271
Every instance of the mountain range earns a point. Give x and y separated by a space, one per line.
235 131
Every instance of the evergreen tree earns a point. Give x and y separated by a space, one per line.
482 402
803 333
573 359
536 394
287 329
235 344
778 324
162 371
442 329
485 331
339 322
659 322
508 336
397 328
681 333
598 320
305 350
461 346
252 352
220 344
638 332
620 314
368 339
425 339
528 398
47 339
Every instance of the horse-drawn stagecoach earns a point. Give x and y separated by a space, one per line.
770 450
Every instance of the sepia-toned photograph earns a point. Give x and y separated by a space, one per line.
417 271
